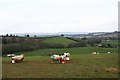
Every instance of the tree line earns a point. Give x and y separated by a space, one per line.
20 44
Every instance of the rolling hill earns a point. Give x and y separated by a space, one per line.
60 40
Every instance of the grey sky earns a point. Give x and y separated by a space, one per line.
49 16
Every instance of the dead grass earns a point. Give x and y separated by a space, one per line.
112 69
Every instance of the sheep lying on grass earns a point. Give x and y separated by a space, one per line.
10 55
102 53
108 52
95 53
17 58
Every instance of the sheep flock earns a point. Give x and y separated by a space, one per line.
99 53
64 58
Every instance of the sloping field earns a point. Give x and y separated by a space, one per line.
60 40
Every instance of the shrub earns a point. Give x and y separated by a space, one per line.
78 44
28 46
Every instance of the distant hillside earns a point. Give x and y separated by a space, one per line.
97 34
71 34
112 34
60 40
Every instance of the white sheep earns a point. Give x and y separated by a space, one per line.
108 52
94 53
98 53
67 58
10 55
67 54
17 58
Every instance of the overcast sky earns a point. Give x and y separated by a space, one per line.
49 16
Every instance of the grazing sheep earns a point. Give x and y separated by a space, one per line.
10 55
17 58
61 58
55 57
94 53
98 53
108 52
65 57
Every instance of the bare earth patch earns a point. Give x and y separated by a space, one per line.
112 69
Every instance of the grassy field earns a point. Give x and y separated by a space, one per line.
82 64
79 50
60 40
111 42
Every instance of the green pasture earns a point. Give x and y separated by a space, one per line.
37 64
112 42
80 66
79 50
60 40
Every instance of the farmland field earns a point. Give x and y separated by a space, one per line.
37 64
60 40
111 42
